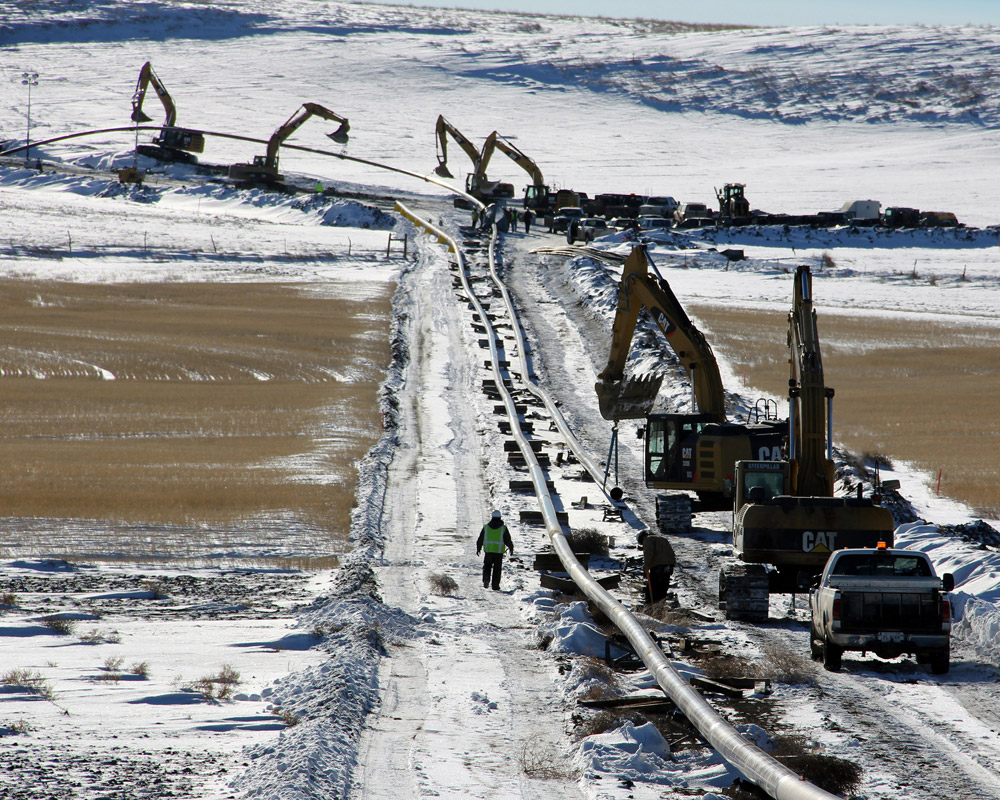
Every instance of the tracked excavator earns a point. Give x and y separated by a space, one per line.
695 451
785 512
172 143
264 169
476 182
537 197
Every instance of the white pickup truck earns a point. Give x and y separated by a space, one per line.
885 601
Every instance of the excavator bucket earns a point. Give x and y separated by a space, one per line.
138 116
632 398
442 171
340 135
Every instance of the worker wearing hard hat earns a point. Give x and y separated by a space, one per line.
493 538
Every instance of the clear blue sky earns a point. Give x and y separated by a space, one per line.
760 12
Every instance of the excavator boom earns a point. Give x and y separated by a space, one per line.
519 158
147 77
296 121
442 131
621 399
812 467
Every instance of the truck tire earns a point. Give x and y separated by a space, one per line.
831 656
941 661
815 646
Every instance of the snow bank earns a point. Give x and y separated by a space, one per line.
327 704
976 599
636 753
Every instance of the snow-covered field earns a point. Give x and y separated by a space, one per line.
807 118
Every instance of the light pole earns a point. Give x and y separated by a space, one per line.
28 79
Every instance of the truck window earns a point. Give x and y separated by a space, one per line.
882 566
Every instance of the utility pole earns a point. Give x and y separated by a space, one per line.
28 79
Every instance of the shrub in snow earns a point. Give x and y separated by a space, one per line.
591 678
442 584
588 540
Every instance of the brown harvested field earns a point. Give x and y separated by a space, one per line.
918 391
225 414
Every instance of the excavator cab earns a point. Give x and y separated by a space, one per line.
671 443
697 452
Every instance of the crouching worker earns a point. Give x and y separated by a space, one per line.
493 538
658 562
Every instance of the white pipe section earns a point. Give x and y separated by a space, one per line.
752 762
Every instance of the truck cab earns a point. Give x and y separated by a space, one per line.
882 600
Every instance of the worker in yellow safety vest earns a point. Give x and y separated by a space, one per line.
493 538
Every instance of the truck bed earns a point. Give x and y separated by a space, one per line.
909 605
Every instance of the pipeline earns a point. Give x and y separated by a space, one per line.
753 763
238 137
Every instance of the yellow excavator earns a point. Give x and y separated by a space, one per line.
172 143
694 451
537 197
478 185
264 169
785 512
476 182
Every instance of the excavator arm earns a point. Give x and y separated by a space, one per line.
147 77
519 158
294 122
809 398
477 179
443 130
621 399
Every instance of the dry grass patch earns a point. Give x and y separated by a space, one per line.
28 681
588 540
217 687
442 584
187 404
542 760
919 391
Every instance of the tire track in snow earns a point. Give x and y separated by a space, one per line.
462 701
